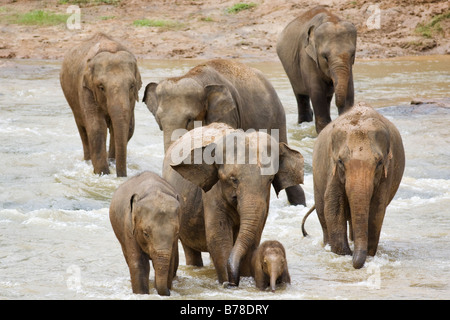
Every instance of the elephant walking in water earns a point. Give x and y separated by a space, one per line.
219 91
317 51
225 183
100 80
358 164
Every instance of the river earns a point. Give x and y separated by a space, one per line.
56 241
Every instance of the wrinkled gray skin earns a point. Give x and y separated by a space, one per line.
144 214
227 217
358 164
317 51
269 265
100 80
219 91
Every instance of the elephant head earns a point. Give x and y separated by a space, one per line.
332 46
361 155
234 170
113 79
155 225
176 103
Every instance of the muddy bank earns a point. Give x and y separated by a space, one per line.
207 29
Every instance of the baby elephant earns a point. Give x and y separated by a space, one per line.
269 265
144 214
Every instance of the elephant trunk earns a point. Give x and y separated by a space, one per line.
273 280
252 220
359 189
340 74
161 264
121 117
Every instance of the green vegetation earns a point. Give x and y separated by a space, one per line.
91 2
36 17
107 17
165 24
434 26
238 7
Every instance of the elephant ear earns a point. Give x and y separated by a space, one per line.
133 200
138 85
203 175
220 103
193 155
290 171
311 45
151 100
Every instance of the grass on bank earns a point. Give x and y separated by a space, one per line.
434 26
36 17
164 24
238 7
90 2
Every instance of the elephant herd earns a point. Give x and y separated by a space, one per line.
225 144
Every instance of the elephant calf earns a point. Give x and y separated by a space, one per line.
358 163
317 51
100 80
269 265
144 214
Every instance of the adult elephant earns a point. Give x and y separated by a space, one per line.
100 80
358 163
224 177
219 91
317 51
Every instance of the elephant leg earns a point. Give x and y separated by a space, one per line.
305 113
321 105
219 238
336 221
320 214
112 145
376 217
84 139
296 195
193 257
139 266
97 131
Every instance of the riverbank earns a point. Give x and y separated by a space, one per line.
204 29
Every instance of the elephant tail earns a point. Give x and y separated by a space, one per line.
304 220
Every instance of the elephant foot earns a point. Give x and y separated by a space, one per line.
305 117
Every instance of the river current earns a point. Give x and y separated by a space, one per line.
56 241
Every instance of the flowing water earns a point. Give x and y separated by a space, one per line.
56 241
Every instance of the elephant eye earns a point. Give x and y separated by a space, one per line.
146 234
234 180
379 163
101 87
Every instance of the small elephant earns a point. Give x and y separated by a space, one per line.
100 80
219 91
317 51
145 216
269 265
225 179
358 164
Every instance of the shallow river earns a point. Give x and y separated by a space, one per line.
56 241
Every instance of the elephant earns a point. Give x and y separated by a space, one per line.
145 216
358 164
219 91
317 51
269 265
226 198
100 80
